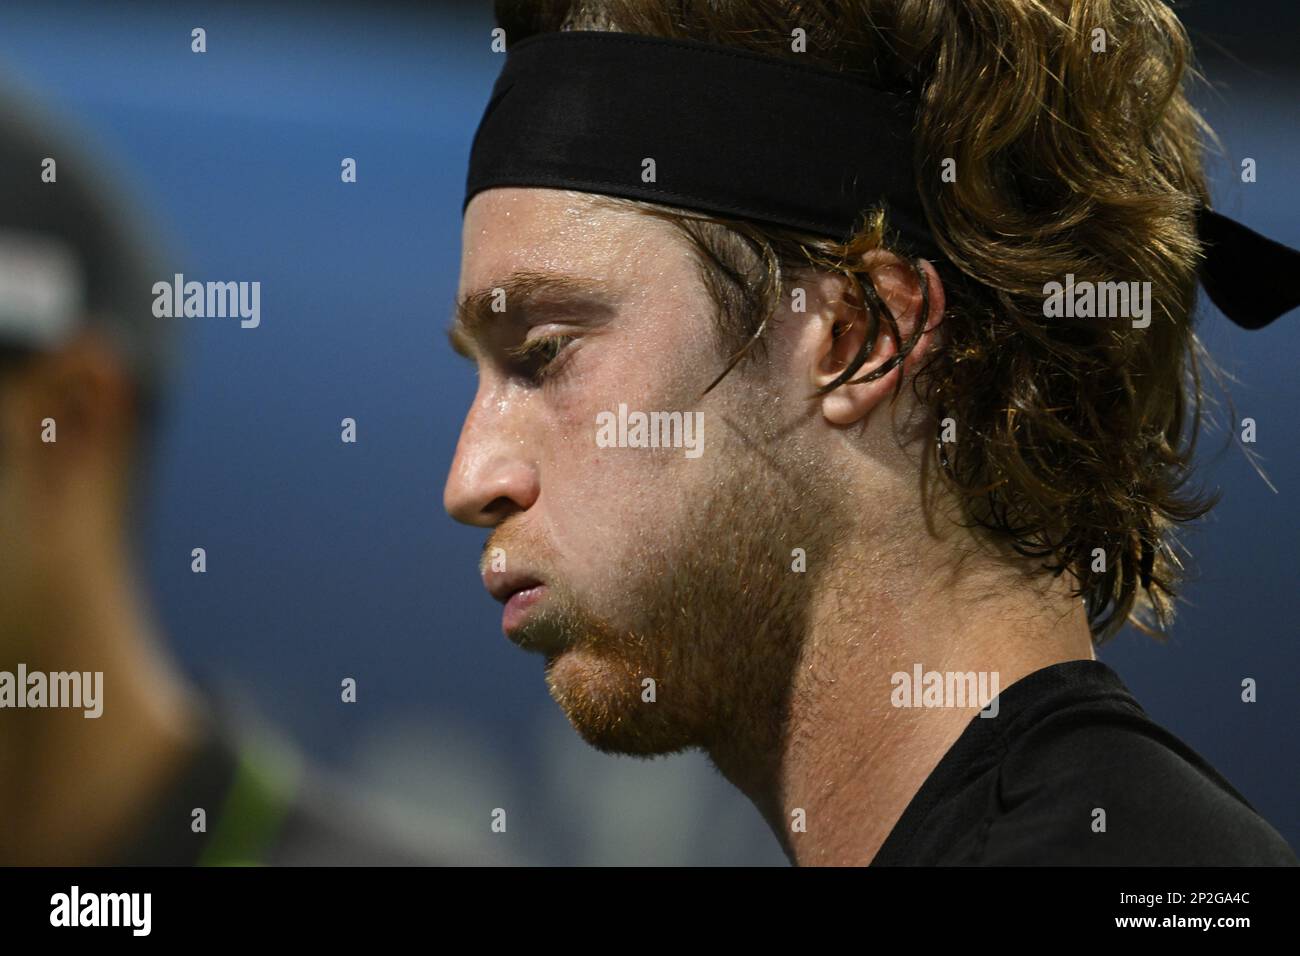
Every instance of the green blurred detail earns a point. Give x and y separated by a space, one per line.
254 810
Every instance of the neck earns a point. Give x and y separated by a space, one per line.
74 787
847 761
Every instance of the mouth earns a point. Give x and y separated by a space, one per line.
519 593
518 606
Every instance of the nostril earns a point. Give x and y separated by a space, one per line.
500 508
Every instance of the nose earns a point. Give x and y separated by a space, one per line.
492 475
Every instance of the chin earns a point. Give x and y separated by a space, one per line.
601 694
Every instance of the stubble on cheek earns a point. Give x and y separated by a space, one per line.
612 666
694 636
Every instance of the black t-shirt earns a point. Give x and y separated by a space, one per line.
1070 750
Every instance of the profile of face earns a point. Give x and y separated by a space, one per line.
661 584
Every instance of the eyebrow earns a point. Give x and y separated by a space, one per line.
525 292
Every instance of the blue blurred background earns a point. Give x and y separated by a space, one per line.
328 559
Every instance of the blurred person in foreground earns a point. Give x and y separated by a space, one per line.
134 767
786 450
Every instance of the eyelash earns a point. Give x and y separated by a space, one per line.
546 347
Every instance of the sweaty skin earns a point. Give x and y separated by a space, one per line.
655 567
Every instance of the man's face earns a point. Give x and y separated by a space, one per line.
657 581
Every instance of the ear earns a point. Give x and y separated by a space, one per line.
847 325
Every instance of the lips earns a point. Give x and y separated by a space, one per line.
518 606
506 584
518 592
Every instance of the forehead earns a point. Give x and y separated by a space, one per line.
516 229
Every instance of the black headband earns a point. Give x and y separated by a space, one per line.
762 138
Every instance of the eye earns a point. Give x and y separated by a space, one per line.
536 358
